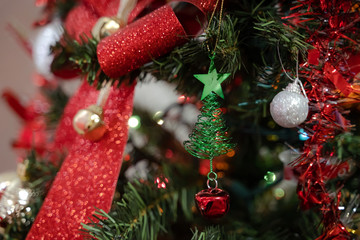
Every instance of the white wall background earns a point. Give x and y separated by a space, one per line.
16 69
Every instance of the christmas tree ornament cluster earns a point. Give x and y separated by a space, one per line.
94 144
153 31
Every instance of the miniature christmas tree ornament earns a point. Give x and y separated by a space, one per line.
208 140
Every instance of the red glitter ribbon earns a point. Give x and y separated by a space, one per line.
88 176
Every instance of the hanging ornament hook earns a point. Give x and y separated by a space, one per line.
296 80
208 183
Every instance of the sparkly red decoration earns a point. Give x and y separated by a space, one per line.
34 134
161 182
145 39
88 176
354 64
328 79
213 202
67 72
337 232
136 44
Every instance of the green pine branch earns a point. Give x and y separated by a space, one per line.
347 146
58 100
144 212
83 56
275 32
193 57
306 227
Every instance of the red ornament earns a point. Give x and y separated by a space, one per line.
213 202
149 37
67 72
161 182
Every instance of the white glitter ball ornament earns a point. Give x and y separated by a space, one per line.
289 108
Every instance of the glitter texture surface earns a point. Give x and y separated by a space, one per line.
149 37
65 134
80 21
289 109
88 176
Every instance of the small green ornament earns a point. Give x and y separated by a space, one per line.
212 80
209 137
270 177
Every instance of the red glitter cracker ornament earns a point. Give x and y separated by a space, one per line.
148 38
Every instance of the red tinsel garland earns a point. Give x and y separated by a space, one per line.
328 78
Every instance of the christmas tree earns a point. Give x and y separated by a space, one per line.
274 109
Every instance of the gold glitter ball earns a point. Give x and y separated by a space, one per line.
89 123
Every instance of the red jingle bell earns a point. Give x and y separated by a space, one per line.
213 202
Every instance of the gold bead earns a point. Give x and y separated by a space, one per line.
89 123
106 26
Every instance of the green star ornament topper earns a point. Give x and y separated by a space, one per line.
212 80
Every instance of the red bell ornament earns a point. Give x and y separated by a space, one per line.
213 202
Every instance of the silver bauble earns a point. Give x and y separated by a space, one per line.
289 108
